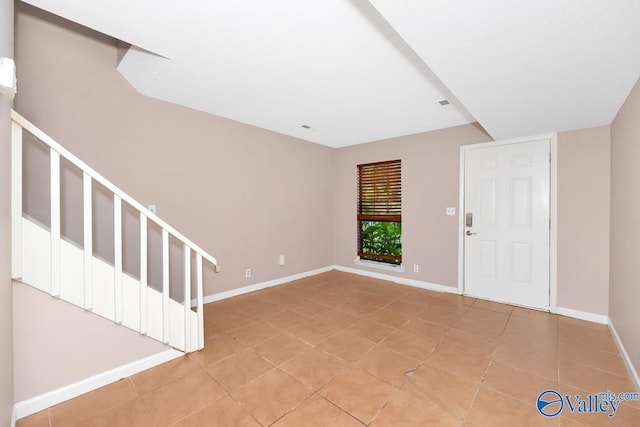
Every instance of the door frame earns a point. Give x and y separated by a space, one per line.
553 211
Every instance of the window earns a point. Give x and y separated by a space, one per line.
380 212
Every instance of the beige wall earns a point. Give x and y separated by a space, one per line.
430 183
583 219
244 194
58 344
6 327
430 180
624 291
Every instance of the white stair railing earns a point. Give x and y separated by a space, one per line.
42 258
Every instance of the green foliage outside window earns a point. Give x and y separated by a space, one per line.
381 241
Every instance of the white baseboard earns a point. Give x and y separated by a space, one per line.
14 416
263 285
400 280
46 400
627 360
583 315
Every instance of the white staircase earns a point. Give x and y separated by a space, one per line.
144 283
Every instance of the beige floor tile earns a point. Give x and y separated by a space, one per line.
452 306
388 317
410 345
358 393
441 317
216 349
272 395
529 333
255 333
539 360
487 315
374 299
218 309
469 343
305 308
419 296
594 358
564 321
228 321
133 413
317 411
409 410
480 327
591 379
369 330
588 338
358 359
312 332
211 330
237 370
94 403
493 409
457 299
314 368
567 422
183 396
494 306
286 319
536 315
39 419
467 365
331 301
425 329
281 348
357 308
270 295
628 415
625 415
451 393
335 318
548 323
155 377
223 413
345 346
260 309
387 365
405 308
521 385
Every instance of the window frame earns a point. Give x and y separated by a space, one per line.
379 200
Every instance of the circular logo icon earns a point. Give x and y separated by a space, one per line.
549 403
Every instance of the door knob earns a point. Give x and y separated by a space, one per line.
469 233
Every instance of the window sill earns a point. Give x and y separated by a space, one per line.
379 265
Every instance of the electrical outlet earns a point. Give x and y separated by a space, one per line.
247 272
416 268
152 208
451 211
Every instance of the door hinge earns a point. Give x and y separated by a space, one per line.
549 157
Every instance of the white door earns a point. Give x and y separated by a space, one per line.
506 230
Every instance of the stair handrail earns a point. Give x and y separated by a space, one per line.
26 124
89 174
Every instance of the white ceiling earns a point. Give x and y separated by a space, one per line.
357 71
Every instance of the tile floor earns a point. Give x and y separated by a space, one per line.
343 350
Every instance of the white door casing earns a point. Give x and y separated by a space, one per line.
507 254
